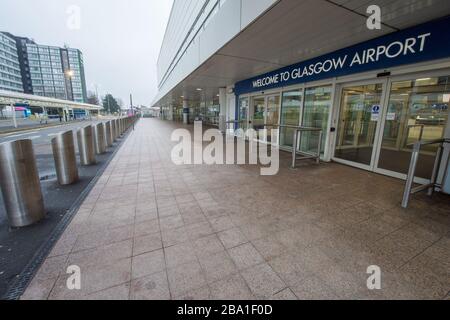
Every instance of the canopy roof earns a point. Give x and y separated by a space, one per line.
8 98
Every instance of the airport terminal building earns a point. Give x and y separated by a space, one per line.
266 64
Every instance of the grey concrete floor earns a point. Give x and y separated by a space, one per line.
153 230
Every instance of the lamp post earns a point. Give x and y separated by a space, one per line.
69 74
109 107
13 109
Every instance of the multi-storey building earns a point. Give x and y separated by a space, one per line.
10 76
50 71
75 79
46 71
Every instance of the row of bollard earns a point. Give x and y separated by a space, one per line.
19 177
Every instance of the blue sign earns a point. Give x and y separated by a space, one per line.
429 41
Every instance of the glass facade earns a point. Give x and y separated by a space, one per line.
48 74
10 76
316 112
207 111
290 115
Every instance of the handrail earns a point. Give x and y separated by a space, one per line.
409 190
422 129
305 155
295 151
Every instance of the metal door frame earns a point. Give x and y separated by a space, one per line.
377 141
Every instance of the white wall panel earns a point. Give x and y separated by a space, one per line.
224 26
189 62
252 9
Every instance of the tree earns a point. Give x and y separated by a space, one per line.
92 98
110 104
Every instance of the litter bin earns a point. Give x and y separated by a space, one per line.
19 180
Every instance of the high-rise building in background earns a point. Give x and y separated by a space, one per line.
49 71
10 76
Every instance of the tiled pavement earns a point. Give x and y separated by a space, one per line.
152 230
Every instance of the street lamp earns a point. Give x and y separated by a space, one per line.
70 73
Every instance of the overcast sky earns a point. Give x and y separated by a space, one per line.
120 39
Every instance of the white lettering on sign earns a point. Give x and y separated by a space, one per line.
372 55
267 81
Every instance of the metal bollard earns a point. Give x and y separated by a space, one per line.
20 183
109 141
117 128
99 139
65 158
113 130
86 146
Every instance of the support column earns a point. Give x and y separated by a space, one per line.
185 112
223 110
170 115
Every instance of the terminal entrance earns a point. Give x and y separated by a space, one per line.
265 114
378 122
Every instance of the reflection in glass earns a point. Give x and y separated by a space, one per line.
417 110
315 115
357 124
290 115
259 108
243 113
272 117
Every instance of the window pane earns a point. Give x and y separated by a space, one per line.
315 115
290 115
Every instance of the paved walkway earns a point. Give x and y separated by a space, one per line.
152 230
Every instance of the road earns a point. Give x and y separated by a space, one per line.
41 138
23 124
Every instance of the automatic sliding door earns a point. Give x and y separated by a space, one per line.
259 110
358 123
417 110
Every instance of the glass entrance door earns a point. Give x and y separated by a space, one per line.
417 110
259 110
266 114
359 117
272 118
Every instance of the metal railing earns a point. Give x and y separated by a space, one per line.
298 130
409 189
408 130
